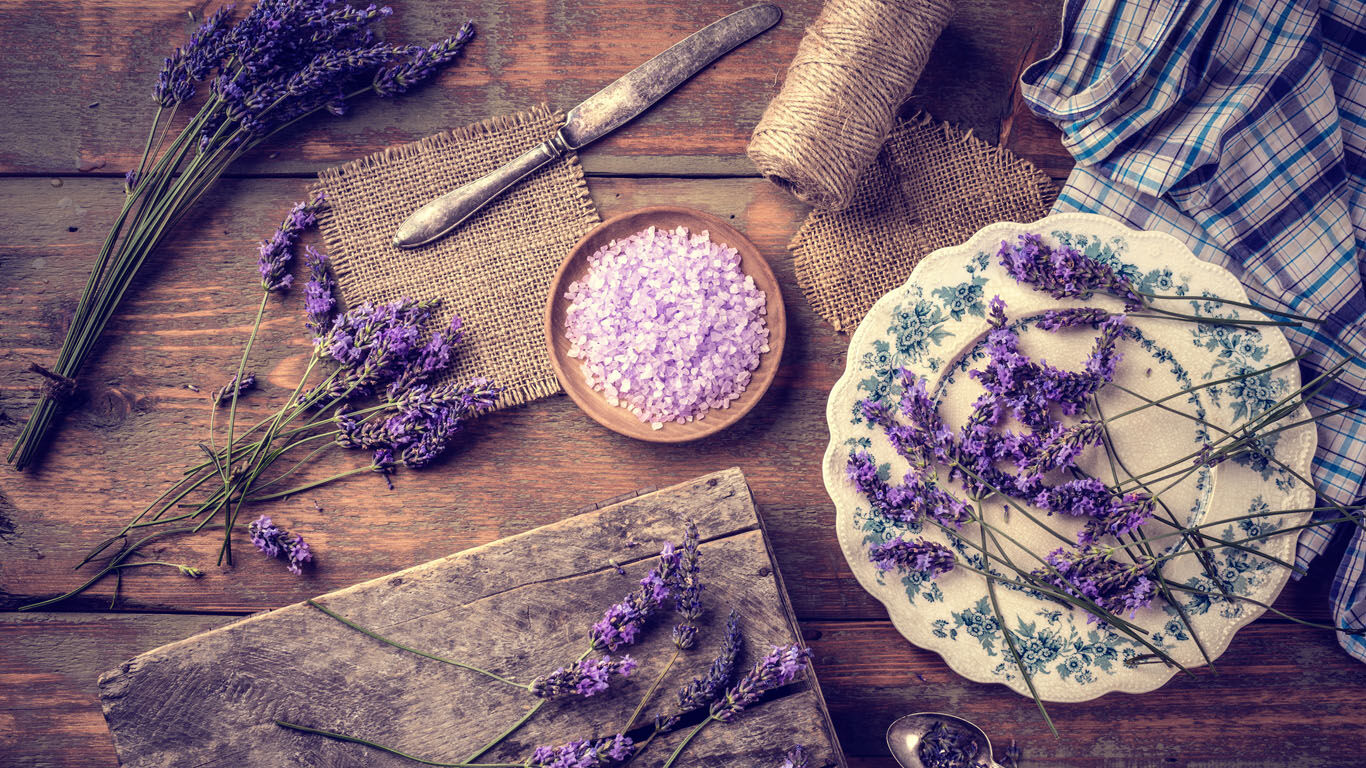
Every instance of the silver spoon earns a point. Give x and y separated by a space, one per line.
905 734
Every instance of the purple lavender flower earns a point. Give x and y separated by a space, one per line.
923 439
421 63
780 667
703 691
277 252
586 678
583 753
1125 515
681 570
426 422
1059 448
684 636
1092 573
430 359
188 65
1057 319
621 624
1064 271
234 387
319 300
130 179
797 757
917 498
996 313
276 542
374 345
919 556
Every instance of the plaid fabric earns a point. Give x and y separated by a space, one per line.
1240 128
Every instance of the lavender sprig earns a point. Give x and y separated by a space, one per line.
585 753
419 64
277 252
319 291
681 570
621 624
274 541
1063 272
234 387
919 556
1093 573
781 666
584 679
703 691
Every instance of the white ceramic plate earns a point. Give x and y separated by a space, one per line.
935 325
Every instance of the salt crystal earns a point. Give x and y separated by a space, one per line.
667 325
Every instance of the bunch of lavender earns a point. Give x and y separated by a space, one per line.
281 63
1038 466
369 384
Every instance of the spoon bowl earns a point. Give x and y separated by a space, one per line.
905 735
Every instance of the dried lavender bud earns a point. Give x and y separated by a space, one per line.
684 636
1057 319
277 252
583 753
319 298
184 67
946 746
797 757
588 677
621 624
234 387
780 667
680 569
1093 574
1064 271
421 63
920 556
702 691
276 542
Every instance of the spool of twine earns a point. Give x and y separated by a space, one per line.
854 68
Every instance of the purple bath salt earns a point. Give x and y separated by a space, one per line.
666 325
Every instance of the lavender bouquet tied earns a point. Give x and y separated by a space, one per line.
281 63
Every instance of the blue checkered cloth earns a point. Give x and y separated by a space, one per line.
1240 128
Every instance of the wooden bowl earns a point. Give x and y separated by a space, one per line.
575 267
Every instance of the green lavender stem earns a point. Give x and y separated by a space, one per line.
390 750
410 649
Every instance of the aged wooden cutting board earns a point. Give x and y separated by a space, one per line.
519 607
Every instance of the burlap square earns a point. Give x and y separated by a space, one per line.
494 271
931 186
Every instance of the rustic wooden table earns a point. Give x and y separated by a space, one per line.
75 83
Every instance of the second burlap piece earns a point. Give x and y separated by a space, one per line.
494 271
931 186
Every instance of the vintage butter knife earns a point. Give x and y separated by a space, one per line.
599 115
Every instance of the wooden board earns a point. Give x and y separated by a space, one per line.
519 607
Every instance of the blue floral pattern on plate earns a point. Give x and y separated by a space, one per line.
934 325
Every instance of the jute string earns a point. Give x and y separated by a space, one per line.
854 68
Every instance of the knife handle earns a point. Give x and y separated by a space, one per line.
449 211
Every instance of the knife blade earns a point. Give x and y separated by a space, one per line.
597 116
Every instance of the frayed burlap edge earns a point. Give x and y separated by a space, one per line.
843 307
542 385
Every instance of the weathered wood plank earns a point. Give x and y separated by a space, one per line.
517 607
523 468
86 102
1282 697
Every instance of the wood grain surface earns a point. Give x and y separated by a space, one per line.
74 82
